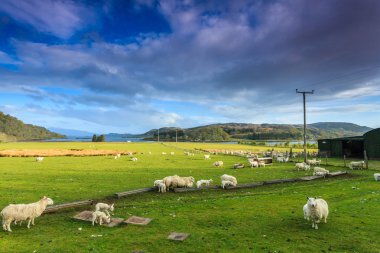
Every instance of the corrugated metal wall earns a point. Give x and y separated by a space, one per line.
372 143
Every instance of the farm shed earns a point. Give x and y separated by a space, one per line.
372 143
353 146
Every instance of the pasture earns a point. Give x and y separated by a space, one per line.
264 219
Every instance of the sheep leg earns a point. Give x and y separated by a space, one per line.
29 222
33 221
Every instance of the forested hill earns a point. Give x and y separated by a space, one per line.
13 129
228 131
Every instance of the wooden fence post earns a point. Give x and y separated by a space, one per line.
366 159
344 159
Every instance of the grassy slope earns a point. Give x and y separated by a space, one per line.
265 219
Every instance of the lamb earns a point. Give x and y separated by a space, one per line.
118 156
262 164
177 181
230 178
161 185
302 166
164 153
104 207
134 159
318 171
306 212
357 165
227 183
376 176
39 159
319 210
21 212
205 182
218 164
207 157
100 217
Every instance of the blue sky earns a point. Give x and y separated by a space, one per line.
130 66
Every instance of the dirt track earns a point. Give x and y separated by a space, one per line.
61 152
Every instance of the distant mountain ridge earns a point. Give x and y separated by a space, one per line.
13 129
228 131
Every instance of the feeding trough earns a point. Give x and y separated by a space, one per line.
138 220
178 236
87 216
238 165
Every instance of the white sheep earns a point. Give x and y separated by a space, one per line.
306 212
319 211
262 164
117 156
357 165
207 157
134 159
21 212
253 163
282 159
171 153
100 217
226 177
318 171
313 162
39 159
177 181
105 208
161 185
302 166
164 153
376 176
203 182
227 183
218 163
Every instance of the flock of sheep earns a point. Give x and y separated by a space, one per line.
315 210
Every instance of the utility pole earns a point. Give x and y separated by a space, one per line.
176 135
304 120
158 135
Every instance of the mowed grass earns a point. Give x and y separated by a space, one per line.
265 219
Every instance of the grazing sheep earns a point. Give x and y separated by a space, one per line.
105 207
282 159
100 217
318 171
262 164
376 176
357 165
164 153
161 185
39 159
218 164
313 162
205 182
149 153
253 163
302 166
207 157
171 153
134 159
21 212
306 212
319 210
177 181
226 177
227 183
118 155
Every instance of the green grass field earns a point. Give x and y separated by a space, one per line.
265 219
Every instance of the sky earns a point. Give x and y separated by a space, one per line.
130 66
